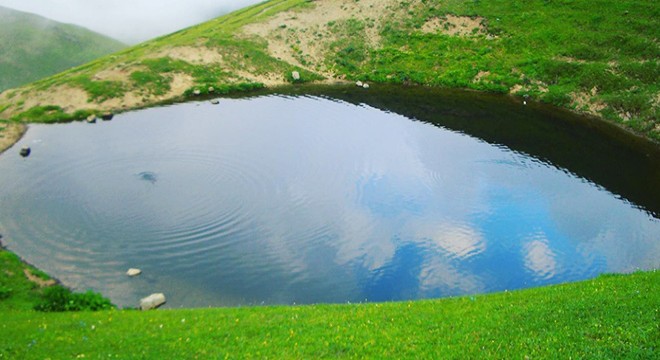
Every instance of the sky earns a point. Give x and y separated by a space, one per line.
130 21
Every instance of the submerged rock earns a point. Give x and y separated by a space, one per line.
152 301
107 116
25 151
215 101
133 272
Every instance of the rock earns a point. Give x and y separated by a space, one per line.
359 83
295 75
152 301
25 151
91 119
107 116
196 92
133 272
211 89
215 101
365 85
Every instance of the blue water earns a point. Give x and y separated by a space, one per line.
304 199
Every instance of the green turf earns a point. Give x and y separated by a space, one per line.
610 317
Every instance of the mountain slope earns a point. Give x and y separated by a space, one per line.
603 63
33 47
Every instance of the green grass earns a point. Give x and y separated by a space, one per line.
49 114
613 316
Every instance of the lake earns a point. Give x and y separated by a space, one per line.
331 195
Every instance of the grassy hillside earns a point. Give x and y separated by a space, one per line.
613 316
605 62
32 47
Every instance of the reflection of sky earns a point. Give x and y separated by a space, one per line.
326 201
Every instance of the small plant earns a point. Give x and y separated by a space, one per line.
59 298
5 292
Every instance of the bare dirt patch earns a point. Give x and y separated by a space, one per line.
301 37
67 97
587 102
10 134
115 74
453 25
481 76
198 55
37 280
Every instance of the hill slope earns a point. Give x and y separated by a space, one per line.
601 62
33 47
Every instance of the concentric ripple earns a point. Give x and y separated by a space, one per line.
286 199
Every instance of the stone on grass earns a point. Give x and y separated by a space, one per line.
133 272
295 75
359 83
211 89
196 92
152 301
365 85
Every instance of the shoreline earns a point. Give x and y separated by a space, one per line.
11 135
15 131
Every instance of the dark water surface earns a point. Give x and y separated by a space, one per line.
339 195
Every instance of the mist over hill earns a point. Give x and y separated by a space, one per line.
33 47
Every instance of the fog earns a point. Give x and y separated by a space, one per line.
130 21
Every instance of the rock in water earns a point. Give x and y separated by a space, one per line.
152 301
91 119
107 116
133 272
215 101
25 151
295 75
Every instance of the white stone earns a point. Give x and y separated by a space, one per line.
295 75
365 85
359 83
152 301
211 89
91 119
215 101
196 92
133 272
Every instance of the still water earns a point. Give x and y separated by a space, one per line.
331 197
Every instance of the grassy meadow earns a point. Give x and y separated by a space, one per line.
610 317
